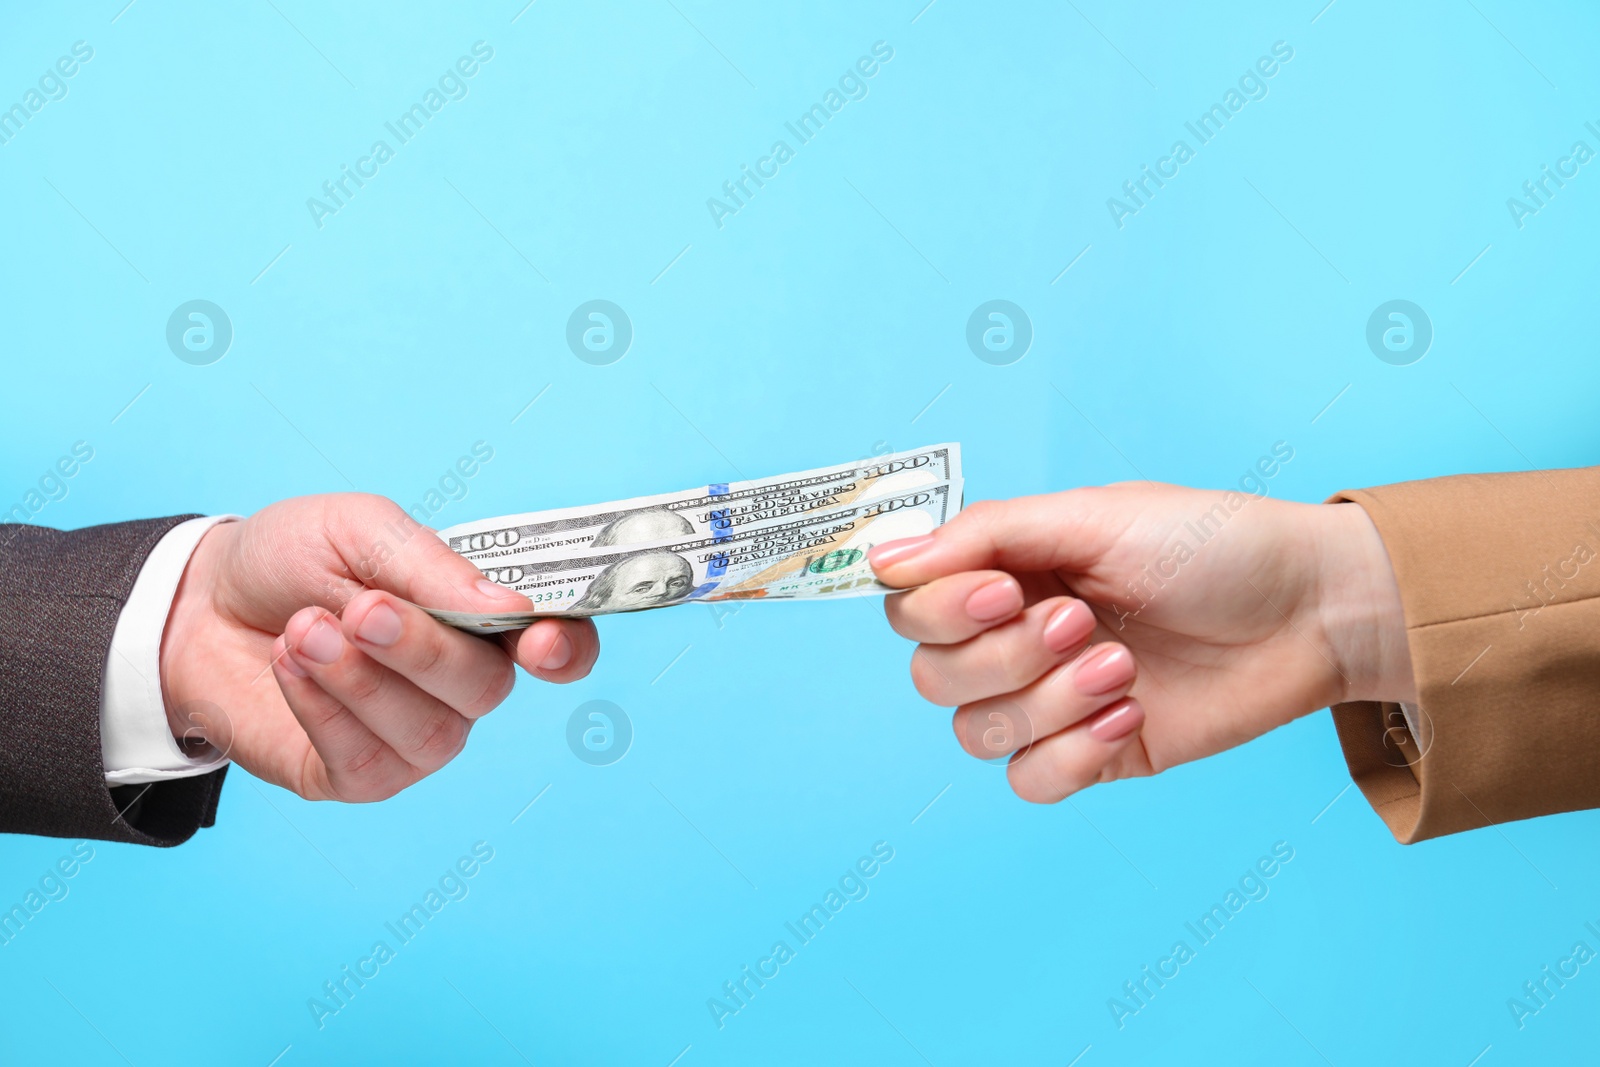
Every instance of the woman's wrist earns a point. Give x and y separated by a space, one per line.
1359 604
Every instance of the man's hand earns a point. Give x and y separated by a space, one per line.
1205 620
290 646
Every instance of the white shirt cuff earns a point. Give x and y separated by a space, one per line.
136 743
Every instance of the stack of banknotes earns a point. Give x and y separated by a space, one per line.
792 537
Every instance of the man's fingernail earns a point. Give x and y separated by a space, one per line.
380 627
1069 627
321 644
898 551
999 599
1117 721
1107 668
289 664
560 654
491 589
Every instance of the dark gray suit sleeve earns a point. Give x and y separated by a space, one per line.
60 595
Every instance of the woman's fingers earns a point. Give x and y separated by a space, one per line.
345 760
555 650
1101 749
1005 658
955 608
467 673
1068 530
424 730
1069 694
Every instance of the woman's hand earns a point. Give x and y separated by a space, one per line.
291 647
1104 633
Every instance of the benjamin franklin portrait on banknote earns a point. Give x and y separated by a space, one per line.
647 580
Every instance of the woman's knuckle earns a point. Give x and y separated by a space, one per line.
898 609
1013 662
982 512
961 726
1031 788
930 682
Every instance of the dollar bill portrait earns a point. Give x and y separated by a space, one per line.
646 580
641 527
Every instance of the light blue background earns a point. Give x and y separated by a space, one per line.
816 324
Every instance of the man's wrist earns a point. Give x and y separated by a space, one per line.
191 616
1362 614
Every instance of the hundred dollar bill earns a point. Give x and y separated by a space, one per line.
703 510
821 556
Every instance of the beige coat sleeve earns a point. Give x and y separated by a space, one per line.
1499 575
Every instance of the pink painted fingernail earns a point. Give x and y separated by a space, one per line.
1117 721
998 599
1103 670
897 551
321 644
560 654
1069 627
